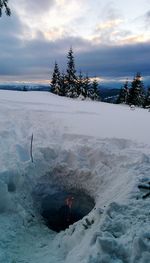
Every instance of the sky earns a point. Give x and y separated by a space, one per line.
110 39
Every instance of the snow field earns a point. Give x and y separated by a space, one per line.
101 148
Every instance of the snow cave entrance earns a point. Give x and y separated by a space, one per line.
64 208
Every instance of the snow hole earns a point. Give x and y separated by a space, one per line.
62 208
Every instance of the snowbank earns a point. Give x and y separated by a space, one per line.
101 148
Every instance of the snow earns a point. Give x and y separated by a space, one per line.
101 148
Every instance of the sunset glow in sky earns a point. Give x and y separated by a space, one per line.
111 39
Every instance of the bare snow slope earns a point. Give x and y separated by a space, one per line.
101 148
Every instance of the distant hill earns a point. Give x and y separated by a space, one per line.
107 94
27 87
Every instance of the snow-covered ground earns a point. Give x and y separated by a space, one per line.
101 148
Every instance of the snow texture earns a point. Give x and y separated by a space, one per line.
100 148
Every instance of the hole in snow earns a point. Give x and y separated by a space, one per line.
11 187
63 208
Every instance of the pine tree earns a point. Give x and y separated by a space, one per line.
86 90
83 84
55 83
147 99
4 4
95 94
71 79
24 88
62 85
136 93
124 94
80 84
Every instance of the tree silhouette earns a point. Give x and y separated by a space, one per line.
136 94
80 83
147 99
124 94
55 83
95 93
62 85
71 78
87 86
4 5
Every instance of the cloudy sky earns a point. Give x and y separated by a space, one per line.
111 39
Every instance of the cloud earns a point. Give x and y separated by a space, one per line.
33 7
116 61
109 32
39 6
11 26
147 19
109 24
108 28
143 20
27 56
30 58
34 59
53 17
140 38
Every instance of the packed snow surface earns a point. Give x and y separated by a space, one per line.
101 149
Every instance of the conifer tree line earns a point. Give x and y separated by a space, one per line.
134 93
71 84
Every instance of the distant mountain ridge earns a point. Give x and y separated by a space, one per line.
107 94
28 87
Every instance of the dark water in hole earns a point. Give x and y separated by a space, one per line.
57 214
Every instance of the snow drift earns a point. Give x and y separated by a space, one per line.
94 147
